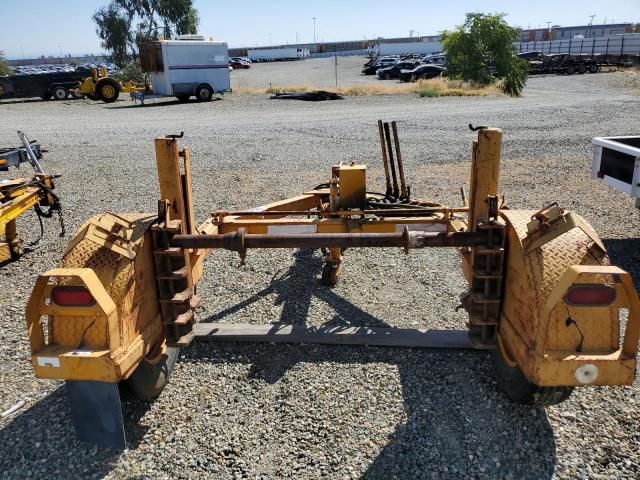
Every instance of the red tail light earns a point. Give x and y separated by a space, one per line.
72 296
591 295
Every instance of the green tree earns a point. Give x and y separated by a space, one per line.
124 24
482 51
5 69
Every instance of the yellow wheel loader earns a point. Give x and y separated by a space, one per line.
99 86
541 294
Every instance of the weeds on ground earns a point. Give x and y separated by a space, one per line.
437 87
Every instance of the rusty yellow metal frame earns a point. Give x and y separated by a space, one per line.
547 367
111 363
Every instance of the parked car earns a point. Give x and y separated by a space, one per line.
435 59
383 63
236 63
422 71
394 70
373 60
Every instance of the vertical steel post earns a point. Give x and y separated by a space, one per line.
485 174
170 178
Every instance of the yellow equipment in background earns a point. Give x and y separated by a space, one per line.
541 294
19 195
99 86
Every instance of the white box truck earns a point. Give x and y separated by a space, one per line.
420 48
273 54
186 67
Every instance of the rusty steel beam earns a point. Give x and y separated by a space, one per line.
240 241
400 211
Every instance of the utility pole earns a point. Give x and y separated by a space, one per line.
314 29
590 25
549 31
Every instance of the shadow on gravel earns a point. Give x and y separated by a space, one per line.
162 103
625 253
40 442
296 287
458 423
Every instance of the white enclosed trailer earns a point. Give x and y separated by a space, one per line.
185 68
273 54
420 48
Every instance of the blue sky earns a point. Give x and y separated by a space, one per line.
38 27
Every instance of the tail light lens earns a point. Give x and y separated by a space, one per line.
590 295
72 296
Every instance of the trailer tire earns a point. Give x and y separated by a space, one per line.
570 70
520 390
59 92
582 69
108 90
204 92
594 68
149 379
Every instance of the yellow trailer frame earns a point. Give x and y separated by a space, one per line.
542 295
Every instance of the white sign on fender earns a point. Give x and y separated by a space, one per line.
49 362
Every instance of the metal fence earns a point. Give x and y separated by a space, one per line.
343 53
621 45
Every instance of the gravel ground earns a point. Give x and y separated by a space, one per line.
317 71
287 411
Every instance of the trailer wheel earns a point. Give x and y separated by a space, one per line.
515 385
150 377
108 90
582 69
593 68
204 92
570 70
60 93
183 98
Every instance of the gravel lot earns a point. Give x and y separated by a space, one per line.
317 71
286 411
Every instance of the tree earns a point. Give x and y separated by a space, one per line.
482 51
124 24
5 69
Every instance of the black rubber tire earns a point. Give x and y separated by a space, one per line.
108 90
330 275
582 69
59 93
147 381
183 98
515 385
204 93
92 96
570 70
593 68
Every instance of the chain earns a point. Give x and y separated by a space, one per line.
61 220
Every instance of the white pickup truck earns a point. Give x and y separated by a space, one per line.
616 162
